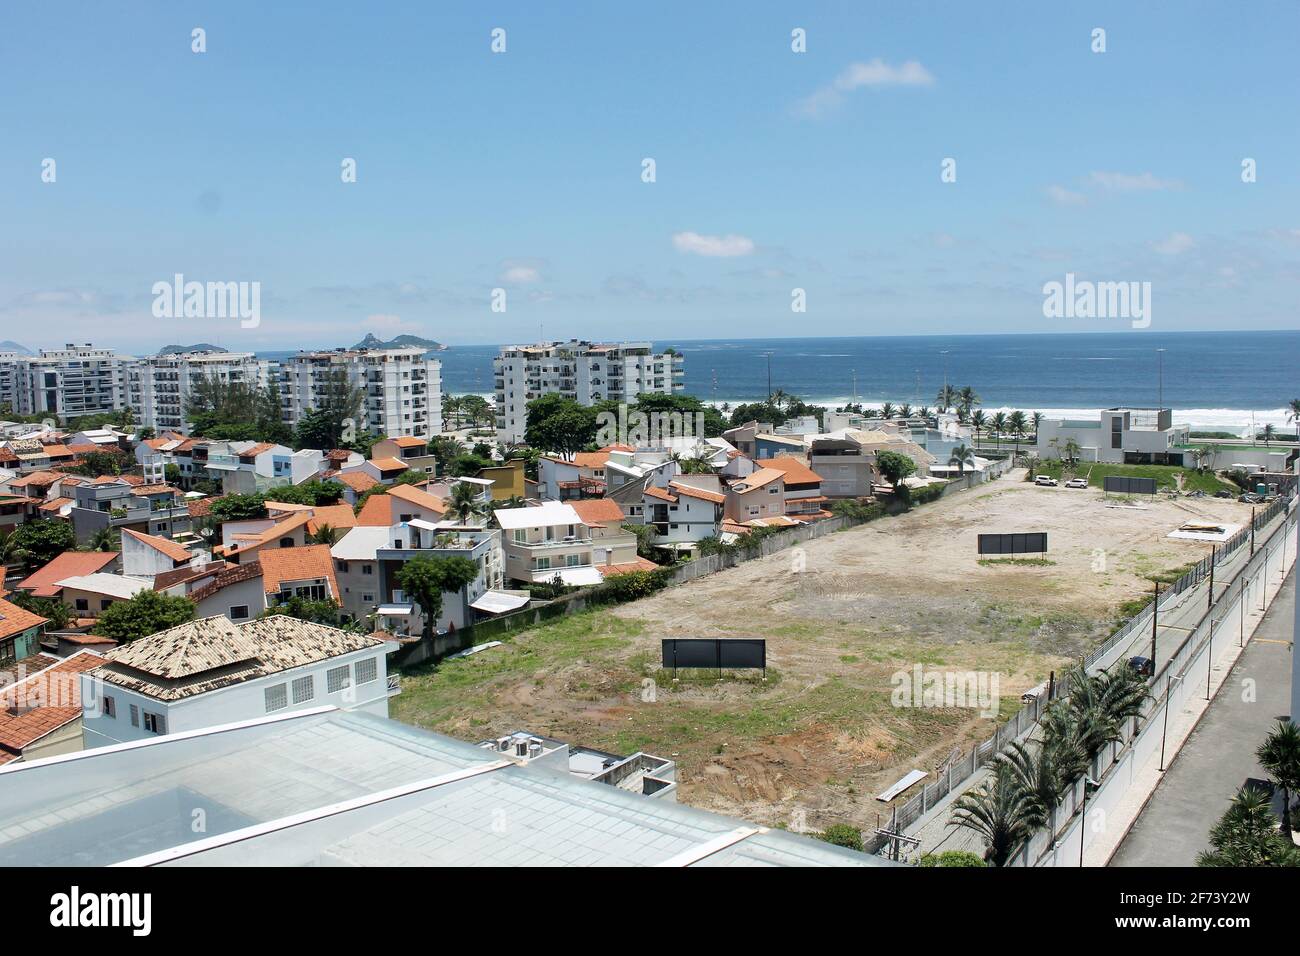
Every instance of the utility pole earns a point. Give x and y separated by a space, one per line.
1295 648
1209 603
769 376
1155 614
1160 380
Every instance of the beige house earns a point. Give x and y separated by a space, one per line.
757 495
547 541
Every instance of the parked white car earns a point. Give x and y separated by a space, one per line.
1047 481
1077 483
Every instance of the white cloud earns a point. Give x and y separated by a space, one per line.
876 74
719 246
1065 197
1127 182
1175 244
520 272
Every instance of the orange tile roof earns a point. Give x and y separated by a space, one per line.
417 497
54 504
257 449
58 451
796 472
162 545
377 512
83 449
598 512
291 523
388 464
764 476
286 565
358 481
41 479
15 620
56 694
654 491
408 441
200 507
69 564
640 564
336 516
690 491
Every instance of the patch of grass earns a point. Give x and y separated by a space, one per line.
1024 562
1193 480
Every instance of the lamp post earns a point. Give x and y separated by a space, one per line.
1169 697
1083 815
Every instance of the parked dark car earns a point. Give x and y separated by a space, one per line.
1142 666
1223 493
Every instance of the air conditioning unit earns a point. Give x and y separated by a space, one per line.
521 748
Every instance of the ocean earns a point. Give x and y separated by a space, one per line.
1213 380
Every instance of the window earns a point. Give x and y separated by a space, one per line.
404 518
304 689
336 679
286 542
135 716
367 671
7 653
543 564
772 491
83 604
155 723
368 598
521 536
110 707
277 698
367 569
239 612
573 560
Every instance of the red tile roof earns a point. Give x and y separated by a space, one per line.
690 491
286 565
358 481
417 497
796 472
640 564
388 464
69 564
53 696
654 491
377 512
598 512
15 620
233 574
163 546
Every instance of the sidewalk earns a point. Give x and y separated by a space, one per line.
1219 756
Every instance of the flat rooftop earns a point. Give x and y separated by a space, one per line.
330 788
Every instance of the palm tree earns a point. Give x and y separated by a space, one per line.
1019 425
463 505
1000 812
1101 703
923 411
967 399
947 397
326 534
1293 411
1279 754
978 423
1072 451
105 539
1246 835
961 457
905 411
1270 432
1044 774
887 410
1037 418
999 425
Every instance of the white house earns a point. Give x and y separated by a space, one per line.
546 541
147 555
1135 436
210 672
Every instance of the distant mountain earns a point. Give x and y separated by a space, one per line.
201 347
7 346
372 341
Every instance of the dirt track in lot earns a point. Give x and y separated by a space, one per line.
815 743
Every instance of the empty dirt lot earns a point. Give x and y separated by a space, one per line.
817 741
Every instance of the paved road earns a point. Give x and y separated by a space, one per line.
1219 756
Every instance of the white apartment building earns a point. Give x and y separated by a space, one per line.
586 372
159 387
402 388
211 672
68 382
1136 436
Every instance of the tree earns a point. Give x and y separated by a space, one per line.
425 579
967 399
105 539
325 611
946 398
52 609
464 505
1279 754
326 534
37 543
1101 703
1044 774
148 612
559 424
951 858
887 410
978 422
961 457
337 408
894 467
1246 835
999 424
96 464
1293 412
1037 419
1000 812
1019 425
1269 433
842 834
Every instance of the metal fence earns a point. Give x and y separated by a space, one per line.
956 774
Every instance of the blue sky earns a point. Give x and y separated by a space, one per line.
522 170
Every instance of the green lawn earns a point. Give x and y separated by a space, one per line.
1163 474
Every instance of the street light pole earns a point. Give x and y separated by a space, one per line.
1155 615
1169 697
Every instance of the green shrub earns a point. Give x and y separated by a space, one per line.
952 858
842 834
